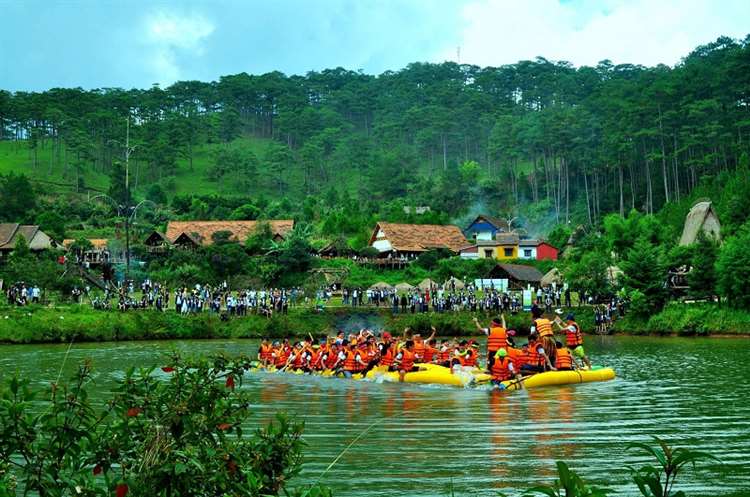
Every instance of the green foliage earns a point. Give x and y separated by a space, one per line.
702 276
260 241
644 268
559 236
431 258
569 484
178 432
658 481
19 198
731 269
589 274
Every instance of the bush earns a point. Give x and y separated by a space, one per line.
731 269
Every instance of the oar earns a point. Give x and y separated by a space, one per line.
517 381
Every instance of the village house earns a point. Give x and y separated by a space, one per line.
485 228
410 240
508 246
519 276
98 253
701 218
532 249
193 234
35 238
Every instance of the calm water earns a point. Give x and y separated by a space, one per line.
694 391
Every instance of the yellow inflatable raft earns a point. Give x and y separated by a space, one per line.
553 378
432 374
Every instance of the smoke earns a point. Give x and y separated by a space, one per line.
354 322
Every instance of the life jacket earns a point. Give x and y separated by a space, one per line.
445 354
500 369
299 358
407 359
350 363
371 353
265 352
563 360
544 327
419 348
517 356
497 339
532 357
314 356
470 358
574 338
281 357
387 358
429 353
333 356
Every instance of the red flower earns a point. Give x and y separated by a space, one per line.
224 426
121 490
134 411
230 382
167 369
97 470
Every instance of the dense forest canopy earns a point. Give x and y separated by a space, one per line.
542 139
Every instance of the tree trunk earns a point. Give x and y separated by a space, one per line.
674 167
619 175
445 154
663 158
588 204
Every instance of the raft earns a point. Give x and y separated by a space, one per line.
433 374
556 378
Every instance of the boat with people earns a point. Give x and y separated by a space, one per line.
365 355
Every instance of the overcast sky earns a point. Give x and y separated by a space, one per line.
136 43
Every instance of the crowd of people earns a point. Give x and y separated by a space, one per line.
358 353
21 294
219 299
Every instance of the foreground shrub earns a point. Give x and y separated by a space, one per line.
169 432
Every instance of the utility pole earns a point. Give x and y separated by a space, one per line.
128 150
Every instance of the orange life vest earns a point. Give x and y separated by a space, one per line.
299 358
469 358
265 352
387 358
333 356
281 357
501 369
497 339
532 357
419 348
574 338
350 363
429 353
407 359
445 355
517 356
544 327
563 360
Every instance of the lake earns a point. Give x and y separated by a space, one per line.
423 440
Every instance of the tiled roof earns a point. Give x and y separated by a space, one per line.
421 237
203 230
507 238
494 221
529 243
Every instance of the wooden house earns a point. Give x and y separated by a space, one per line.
411 240
35 238
485 228
201 233
519 276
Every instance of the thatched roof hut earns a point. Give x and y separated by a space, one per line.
519 276
454 282
381 285
553 276
701 218
428 284
404 287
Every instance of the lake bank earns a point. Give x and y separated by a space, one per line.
36 324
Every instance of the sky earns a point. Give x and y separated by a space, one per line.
138 43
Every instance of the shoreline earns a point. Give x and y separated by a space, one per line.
37 325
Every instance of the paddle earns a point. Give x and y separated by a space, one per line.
517 381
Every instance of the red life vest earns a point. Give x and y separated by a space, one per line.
573 338
497 339
429 353
445 355
265 352
469 358
387 358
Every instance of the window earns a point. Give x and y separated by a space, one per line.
488 253
508 252
527 253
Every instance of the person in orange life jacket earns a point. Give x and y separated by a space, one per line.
535 357
264 352
497 337
445 353
387 350
368 355
340 354
405 360
573 337
564 359
543 328
464 355
431 351
503 369
420 344
294 361
347 360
